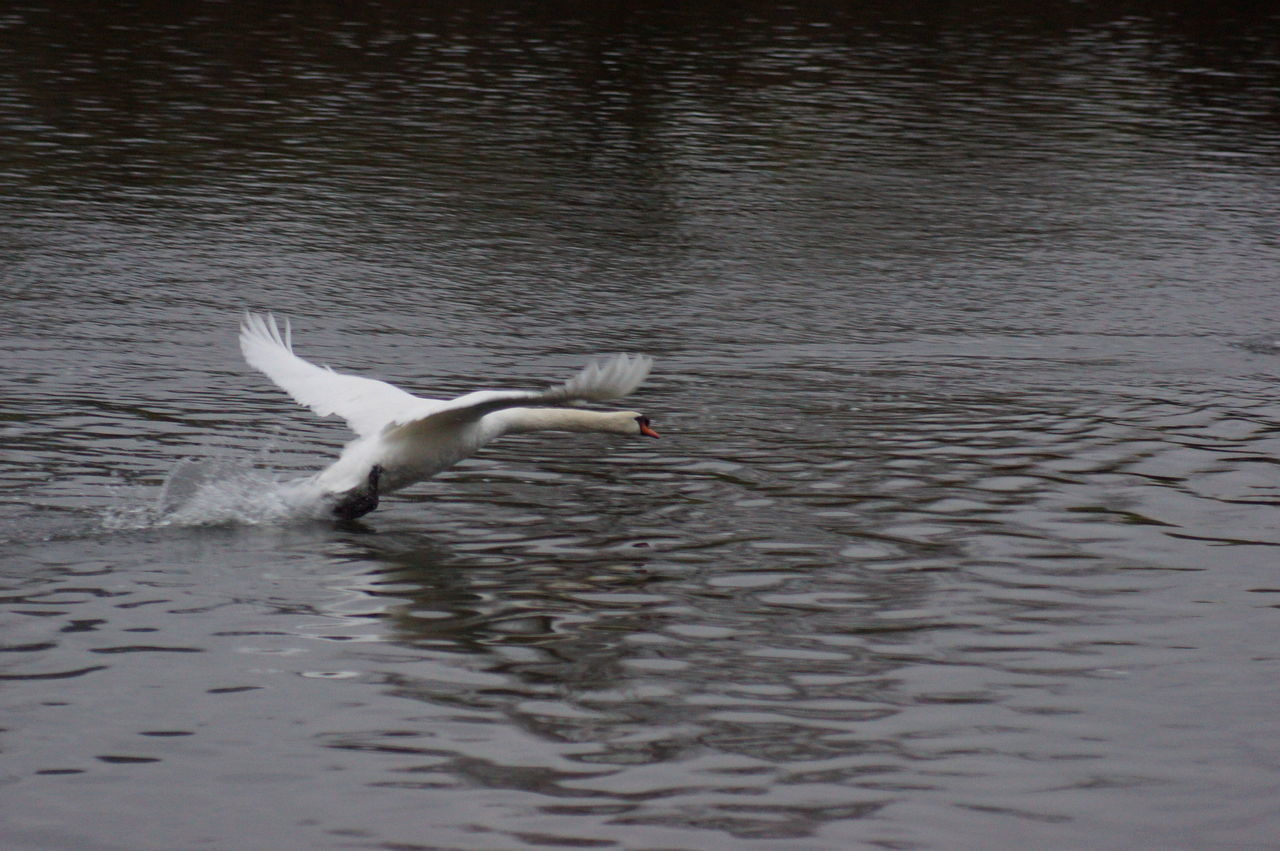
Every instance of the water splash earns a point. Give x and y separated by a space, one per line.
223 492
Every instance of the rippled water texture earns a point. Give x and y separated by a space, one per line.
962 531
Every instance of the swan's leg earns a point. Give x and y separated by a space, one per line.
358 502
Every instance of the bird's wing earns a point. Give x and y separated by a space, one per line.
366 404
597 382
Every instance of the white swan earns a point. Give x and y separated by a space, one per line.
403 439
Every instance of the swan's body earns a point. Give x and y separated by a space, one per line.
402 439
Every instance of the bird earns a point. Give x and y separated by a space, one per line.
402 439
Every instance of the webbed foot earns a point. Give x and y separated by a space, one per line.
358 502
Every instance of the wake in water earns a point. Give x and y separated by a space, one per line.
224 492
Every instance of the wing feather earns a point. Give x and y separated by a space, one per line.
370 406
365 403
597 382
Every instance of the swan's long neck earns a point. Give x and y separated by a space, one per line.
519 420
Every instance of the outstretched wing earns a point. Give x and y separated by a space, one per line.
366 404
597 382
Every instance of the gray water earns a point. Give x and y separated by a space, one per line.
962 532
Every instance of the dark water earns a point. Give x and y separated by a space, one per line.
963 531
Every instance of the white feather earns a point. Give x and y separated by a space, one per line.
365 403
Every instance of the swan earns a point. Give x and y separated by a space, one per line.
402 439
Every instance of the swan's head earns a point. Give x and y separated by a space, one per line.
643 422
629 422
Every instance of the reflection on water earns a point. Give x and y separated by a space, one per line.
961 528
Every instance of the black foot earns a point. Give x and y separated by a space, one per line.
358 502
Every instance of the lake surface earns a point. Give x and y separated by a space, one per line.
963 531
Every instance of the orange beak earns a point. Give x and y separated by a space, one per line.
647 431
